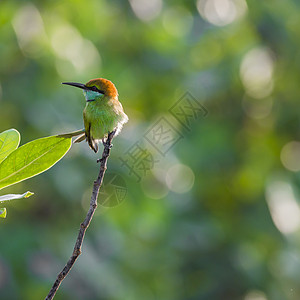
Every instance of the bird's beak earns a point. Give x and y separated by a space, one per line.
79 85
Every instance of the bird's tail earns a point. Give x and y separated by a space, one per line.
80 138
73 133
92 143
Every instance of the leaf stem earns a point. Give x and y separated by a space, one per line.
85 224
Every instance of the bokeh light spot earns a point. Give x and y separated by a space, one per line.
255 295
283 206
29 28
69 45
146 10
180 178
221 12
290 156
256 73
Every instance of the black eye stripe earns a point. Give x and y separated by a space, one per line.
95 89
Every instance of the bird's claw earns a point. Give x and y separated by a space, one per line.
99 160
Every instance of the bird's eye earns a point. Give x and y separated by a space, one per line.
95 89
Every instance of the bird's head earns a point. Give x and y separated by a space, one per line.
96 88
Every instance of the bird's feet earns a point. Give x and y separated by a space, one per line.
99 160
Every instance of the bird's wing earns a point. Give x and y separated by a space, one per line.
87 125
92 143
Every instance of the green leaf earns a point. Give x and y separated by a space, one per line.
3 213
9 141
33 158
15 196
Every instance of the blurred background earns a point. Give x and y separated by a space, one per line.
201 199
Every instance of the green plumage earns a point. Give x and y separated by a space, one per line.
101 116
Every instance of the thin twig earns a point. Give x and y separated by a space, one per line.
85 224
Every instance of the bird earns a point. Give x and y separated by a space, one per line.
103 112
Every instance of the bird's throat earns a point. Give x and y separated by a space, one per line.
91 95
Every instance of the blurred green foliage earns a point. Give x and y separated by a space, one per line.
217 217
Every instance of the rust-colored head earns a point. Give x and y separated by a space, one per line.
105 86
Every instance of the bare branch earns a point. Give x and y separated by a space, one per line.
85 224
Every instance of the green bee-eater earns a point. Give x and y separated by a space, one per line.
103 112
